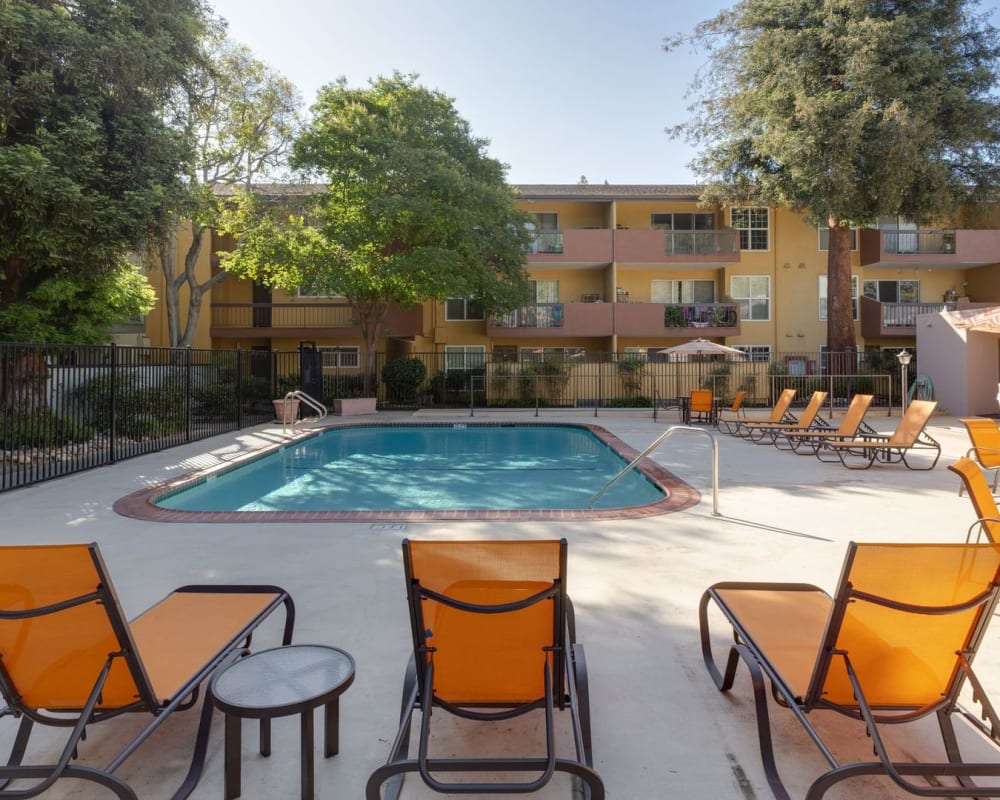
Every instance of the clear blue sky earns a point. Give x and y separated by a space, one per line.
561 88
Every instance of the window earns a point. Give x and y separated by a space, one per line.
472 356
893 291
547 222
462 308
756 352
543 292
682 291
753 295
635 354
548 237
552 353
824 238
752 226
682 222
504 354
340 357
823 295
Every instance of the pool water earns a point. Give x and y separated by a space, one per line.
427 467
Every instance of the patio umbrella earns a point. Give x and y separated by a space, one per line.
701 347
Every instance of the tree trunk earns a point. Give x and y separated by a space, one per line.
840 341
371 316
167 248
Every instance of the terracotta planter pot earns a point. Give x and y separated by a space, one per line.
286 411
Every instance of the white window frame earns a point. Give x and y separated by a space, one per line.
746 300
466 302
679 291
822 282
752 223
696 217
472 356
340 357
760 353
877 281
823 238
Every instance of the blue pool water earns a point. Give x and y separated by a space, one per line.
426 467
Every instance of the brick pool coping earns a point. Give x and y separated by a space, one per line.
142 504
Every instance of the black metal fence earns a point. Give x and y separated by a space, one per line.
67 408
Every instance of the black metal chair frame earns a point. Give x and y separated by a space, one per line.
986 723
46 775
869 453
566 688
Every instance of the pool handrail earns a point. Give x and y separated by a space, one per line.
659 440
309 400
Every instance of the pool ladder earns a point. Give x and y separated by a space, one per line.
302 397
660 440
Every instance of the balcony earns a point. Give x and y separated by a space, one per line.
554 319
895 319
572 247
702 248
676 320
957 249
264 320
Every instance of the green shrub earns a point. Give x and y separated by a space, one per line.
40 428
402 377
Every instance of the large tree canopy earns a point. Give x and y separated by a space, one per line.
847 110
86 157
414 209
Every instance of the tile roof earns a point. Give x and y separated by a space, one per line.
604 191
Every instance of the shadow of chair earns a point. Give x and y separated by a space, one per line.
69 657
779 413
809 441
894 644
985 437
987 514
493 638
701 406
869 448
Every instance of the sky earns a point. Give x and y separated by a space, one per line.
562 89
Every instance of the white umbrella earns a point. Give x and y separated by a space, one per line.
702 347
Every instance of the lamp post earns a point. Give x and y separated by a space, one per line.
904 363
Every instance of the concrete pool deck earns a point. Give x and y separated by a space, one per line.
660 727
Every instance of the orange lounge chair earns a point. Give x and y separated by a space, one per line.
765 432
862 452
493 638
985 437
808 442
895 643
70 658
736 409
987 514
779 413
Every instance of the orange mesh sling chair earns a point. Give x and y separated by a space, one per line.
493 638
987 514
701 404
806 443
765 432
894 644
868 448
736 409
70 658
985 437
779 413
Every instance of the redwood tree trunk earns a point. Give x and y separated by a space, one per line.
840 340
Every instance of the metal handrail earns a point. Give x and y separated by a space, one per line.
659 440
310 401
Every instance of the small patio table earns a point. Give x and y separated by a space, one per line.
294 679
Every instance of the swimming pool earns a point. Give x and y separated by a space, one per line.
424 471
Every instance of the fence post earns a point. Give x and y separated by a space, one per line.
239 387
187 394
113 428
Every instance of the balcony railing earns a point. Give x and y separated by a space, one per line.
700 315
700 243
547 242
282 315
541 315
895 319
918 242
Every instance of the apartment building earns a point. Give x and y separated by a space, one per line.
636 268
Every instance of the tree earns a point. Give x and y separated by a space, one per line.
847 111
414 210
238 116
86 160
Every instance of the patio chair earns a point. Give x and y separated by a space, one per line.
895 643
985 436
764 432
809 441
987 514
493 638
701 404
70 658
736 409
779 413
863 451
